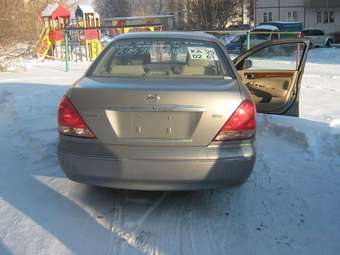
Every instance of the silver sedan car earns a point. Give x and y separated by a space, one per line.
171 111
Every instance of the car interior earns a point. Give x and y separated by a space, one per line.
270 90
271 85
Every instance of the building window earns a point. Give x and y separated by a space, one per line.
328 17
295 16
331 17
270 16
325 17
267 17
292 16
319 17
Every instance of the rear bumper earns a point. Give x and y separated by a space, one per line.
216 169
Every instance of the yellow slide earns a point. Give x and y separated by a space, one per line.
44 44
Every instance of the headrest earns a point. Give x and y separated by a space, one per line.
198 62
132 60
136 61
140 59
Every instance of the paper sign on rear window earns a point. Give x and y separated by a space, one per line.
203 53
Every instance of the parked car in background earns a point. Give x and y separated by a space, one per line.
237 45
224 36
317 38
240 27
258 35
286 26
234 31
264 32
171 111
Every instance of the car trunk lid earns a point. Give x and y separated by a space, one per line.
171 112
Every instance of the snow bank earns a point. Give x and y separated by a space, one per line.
288 206
12 58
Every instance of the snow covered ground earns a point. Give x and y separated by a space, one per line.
290 205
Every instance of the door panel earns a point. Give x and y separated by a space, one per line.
272 73
269 90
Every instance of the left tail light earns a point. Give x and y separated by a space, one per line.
70 122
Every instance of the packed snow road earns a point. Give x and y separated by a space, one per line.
290 205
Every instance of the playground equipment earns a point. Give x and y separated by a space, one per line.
140 24
88 19
82 43
82 37
87 34
50 44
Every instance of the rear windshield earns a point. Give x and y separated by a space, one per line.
175 58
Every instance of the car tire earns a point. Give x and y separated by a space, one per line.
328 43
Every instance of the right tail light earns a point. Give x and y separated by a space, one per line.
241 124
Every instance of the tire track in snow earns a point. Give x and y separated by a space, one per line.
201 235
114 243
191 233
8 112
140 229
173 224
45 150
129 234
148 212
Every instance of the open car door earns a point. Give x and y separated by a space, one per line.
272 72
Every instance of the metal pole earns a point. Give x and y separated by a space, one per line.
96 49
242 11
248 39
254 13
76 51
66 53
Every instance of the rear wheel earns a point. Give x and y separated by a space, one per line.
329 43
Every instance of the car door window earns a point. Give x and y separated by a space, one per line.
277 57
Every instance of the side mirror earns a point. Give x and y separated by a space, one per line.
247 64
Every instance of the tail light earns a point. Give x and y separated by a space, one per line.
70 122
241 124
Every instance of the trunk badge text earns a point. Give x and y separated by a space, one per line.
153 98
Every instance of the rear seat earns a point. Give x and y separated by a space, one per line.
195 67
135 67
127 65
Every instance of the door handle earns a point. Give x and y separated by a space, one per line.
250 76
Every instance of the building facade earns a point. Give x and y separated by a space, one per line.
316 14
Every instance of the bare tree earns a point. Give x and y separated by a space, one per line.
112 8
158 7
210 14
72 4
20 20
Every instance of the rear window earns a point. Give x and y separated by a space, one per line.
175 58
